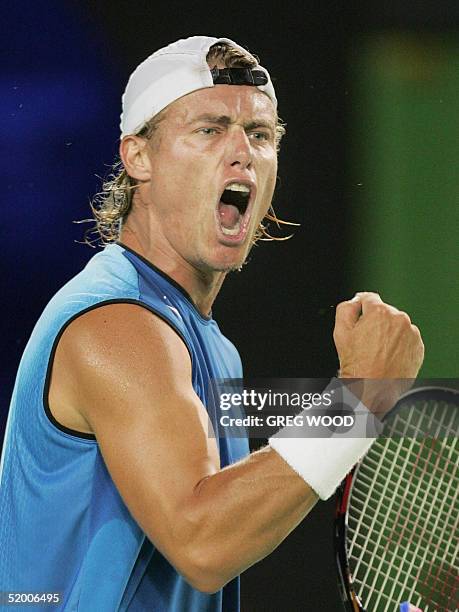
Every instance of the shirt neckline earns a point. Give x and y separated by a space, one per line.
169 279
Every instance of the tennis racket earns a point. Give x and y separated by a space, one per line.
396 528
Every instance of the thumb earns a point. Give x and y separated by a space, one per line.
348 312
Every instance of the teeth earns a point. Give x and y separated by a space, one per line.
238 187
232 232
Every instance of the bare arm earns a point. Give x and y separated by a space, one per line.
129 375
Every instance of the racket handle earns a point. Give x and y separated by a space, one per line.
407 607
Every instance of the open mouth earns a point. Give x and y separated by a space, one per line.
232 207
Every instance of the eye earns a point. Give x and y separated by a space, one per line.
259 136
207 131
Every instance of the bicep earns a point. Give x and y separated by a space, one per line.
133 375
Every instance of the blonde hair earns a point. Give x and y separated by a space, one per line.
111 206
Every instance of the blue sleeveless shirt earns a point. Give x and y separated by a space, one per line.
63 525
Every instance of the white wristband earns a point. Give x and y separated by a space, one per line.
323 462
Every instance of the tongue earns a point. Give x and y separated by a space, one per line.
229 215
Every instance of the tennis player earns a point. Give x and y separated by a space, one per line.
113 495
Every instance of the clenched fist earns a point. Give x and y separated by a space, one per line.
377 341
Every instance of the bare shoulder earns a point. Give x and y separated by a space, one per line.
114 347
127 373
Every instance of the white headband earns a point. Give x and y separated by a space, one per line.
169 74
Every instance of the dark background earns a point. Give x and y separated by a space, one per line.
66 67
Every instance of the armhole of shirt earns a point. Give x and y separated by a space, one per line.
51 418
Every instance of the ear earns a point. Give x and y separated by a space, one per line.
133 153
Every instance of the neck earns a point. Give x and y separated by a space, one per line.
202 287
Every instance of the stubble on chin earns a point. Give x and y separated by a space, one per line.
212 266
234 268
226 268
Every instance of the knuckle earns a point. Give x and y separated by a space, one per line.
366 294
381 309
403 318
370 298
418 337
341 309
416 330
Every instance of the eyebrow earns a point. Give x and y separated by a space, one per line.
225 120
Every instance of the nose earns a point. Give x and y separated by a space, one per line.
239 151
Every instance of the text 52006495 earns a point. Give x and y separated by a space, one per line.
12 598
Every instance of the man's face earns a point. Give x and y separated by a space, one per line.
214 166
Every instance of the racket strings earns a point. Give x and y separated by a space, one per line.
432 578
445 520
440 421
429 538
400 561
409 549
381 511
374 577
440 477
413 515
